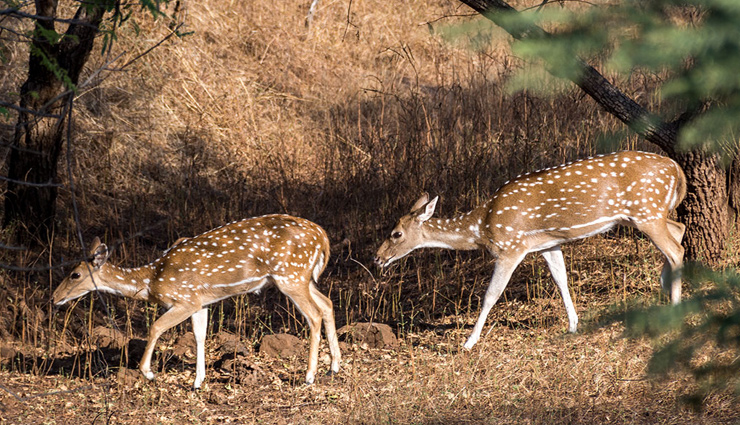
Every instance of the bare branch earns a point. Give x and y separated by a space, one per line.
38 113
147 51
12 248
39 269
614 101
25 399
25 183
12 12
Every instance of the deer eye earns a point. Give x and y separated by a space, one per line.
75 276
396 235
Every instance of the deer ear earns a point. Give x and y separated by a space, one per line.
94 245
420 202
98 253
428 210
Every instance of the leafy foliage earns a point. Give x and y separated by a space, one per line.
701 335
118 13
689 47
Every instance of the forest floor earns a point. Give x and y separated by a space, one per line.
514 374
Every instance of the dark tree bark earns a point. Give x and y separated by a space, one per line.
705 211
733 188
39 135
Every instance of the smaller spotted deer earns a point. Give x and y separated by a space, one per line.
539 211
237 258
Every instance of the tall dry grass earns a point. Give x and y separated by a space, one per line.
344 123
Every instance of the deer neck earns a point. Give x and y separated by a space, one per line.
126 282
462 232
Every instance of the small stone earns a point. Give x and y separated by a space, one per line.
281 345
370 335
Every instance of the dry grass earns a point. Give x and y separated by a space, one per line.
514 376
345 123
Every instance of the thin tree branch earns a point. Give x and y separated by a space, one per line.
25 183
23 15
25 399
39 269
614 101
12 248
38 113
147 51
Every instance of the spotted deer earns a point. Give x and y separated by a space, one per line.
237 258
539 211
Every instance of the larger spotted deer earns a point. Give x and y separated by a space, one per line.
237 258
539 211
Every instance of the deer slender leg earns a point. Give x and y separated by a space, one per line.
504 268
554 259
200 325
664 237
677 229
327 313
169 319
301 297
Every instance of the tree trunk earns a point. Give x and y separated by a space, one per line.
705 210
733 190
30 202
